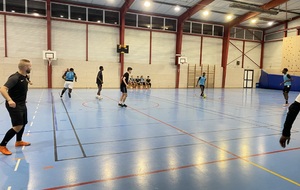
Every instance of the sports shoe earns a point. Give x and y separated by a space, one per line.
22 143
285 105
120 104
4 150
124 105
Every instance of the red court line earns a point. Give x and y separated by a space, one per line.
236 157
137 175
165 170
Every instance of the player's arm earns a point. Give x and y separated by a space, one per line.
75 76
4 93
124 80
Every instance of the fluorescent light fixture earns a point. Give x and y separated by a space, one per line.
61 16
36 14
13 11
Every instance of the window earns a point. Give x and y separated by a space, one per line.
170 24
157 23
232 32
15 6
37 8
187 27
130 19
196 28
249 34
143 21
78 13
1 5
111 17
218 31
207 29
95 15
258 35
275 36
239 33
59 10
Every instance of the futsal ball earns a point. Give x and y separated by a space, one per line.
204 96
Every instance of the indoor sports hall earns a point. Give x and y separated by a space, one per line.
171 135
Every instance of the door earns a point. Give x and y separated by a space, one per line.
248 78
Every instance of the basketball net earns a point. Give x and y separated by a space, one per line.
49 61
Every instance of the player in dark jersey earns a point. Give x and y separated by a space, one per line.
123 87
99 82
15 93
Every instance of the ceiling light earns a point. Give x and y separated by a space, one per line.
61 16
36 14
270 23
177 8
13 11
229 17
147 4
253 21
205 13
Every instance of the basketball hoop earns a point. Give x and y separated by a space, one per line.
49 56
182 60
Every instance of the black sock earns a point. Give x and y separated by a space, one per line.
9 135
20 134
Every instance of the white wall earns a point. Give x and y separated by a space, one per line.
273 57
191 49
69 41
212 51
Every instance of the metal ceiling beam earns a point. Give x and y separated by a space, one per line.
126 6
276 9
249 15
190 12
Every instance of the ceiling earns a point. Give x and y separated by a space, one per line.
218 10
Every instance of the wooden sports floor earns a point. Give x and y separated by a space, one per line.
166 139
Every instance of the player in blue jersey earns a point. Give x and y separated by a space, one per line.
287 83
201 82
69 80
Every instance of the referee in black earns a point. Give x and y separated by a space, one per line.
15 93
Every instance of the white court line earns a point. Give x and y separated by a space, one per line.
9 188
17 165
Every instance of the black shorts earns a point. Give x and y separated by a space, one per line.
286 89
18 115
123 89
99 86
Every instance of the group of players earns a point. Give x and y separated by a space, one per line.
139 82
14 91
